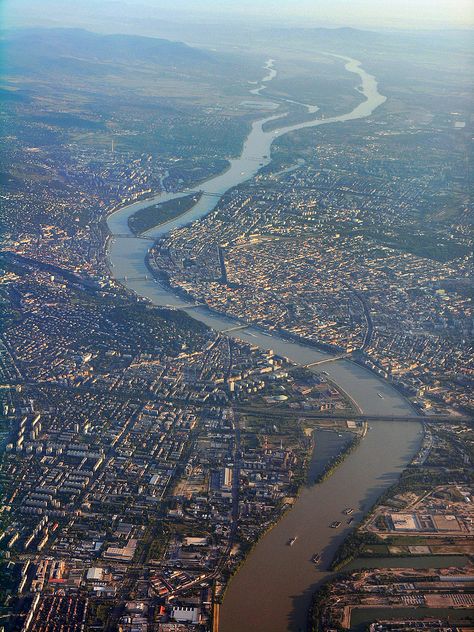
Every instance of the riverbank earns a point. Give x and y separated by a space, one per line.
326 445
288 573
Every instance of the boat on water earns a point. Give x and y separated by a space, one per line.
316 558
348 511
291 541
335 524
380 395
350 521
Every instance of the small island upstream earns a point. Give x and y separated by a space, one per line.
156 214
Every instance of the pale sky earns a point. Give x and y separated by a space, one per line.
358 13
413 12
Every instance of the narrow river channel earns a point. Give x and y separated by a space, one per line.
272 590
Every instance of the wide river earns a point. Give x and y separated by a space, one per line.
272 590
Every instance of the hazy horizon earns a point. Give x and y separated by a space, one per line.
134 14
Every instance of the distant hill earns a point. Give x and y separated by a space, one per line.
342 34
338 37
352 39
30 48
